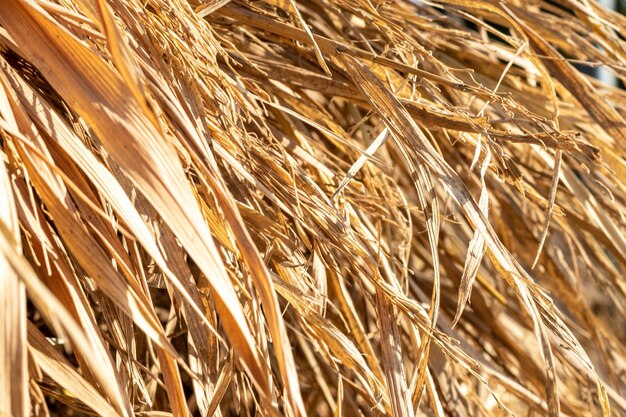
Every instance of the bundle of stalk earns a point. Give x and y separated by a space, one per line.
322 208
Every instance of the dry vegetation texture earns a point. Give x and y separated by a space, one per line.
322 208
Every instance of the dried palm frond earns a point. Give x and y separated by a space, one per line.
296 207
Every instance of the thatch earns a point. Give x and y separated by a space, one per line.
299 207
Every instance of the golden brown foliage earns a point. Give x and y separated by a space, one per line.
283 207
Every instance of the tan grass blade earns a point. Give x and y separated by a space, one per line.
14 376
55 365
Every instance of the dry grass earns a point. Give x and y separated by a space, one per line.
283 207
